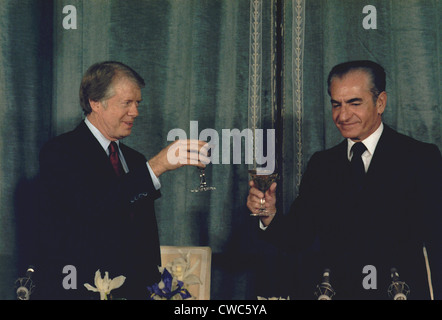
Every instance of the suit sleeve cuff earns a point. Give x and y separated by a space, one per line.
155 180
262 226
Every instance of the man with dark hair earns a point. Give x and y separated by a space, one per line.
375 72
373 202
97 194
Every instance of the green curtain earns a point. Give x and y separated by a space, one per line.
196 58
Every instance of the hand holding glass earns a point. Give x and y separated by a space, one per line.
203 183
262 182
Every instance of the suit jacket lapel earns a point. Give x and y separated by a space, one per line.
382 166
128 156
383 153
89 145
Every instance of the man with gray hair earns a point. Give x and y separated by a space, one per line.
97 194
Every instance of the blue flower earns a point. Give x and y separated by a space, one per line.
168 288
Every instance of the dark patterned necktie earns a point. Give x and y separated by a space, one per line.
357 166
115 159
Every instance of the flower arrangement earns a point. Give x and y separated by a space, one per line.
176 277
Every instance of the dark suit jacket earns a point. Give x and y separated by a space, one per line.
92 219
385 225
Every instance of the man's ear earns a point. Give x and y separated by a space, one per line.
381 102
95 105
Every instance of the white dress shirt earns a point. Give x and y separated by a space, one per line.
370 143
104 142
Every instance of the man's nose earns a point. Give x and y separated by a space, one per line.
345 113
133 111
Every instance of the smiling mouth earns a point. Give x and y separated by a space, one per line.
347 124
129 124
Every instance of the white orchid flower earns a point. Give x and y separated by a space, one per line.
105 285
180 268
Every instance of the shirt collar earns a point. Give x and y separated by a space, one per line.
370 142
104 142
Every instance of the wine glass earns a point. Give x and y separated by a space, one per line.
203 184
262 180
